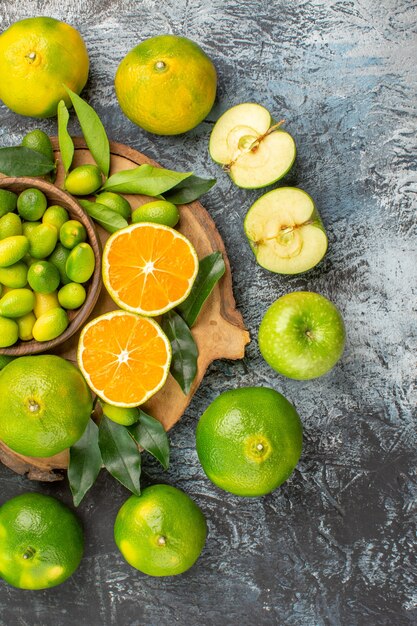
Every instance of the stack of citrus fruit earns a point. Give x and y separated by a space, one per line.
45 262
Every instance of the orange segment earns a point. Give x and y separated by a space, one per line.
149 268
124 357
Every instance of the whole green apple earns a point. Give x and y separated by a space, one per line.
302 335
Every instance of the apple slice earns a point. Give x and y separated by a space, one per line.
254 153
285 231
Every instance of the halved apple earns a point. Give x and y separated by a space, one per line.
285 231
254 153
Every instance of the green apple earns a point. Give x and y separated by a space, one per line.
285 231
302 335
245 143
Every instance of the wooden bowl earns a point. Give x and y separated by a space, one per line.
93 287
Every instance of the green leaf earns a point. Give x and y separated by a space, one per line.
85 463
189 189
210 270
120 454
184 350
149 433
66 145
107 218
145 179
93 130
22 161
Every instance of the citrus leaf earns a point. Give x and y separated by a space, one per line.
66 145
149 433
210 270
107 218
184 350
189 189
93 130
85 463
22 161
120 454
145 179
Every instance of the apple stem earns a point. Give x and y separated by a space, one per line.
270 130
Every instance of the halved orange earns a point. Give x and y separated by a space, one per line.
149 268
124 357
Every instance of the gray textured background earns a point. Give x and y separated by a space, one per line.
336 544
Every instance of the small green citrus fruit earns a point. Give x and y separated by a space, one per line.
158 212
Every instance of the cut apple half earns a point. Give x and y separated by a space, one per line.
285 231
254 153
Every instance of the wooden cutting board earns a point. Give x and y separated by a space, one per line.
219 331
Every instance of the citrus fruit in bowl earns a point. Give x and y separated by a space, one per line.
41 541
166 85
39 245
249 440
45 405
39 57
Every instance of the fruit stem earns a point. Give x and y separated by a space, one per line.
161 540
283 230
30 552
270 130
33 406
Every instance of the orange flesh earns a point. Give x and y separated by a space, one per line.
125 358
149 268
